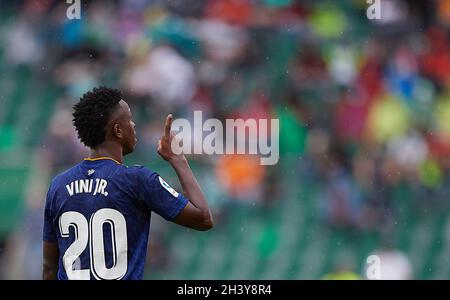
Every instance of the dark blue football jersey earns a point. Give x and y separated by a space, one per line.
99 214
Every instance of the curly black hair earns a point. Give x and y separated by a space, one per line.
92 113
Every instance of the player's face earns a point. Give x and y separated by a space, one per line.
129 139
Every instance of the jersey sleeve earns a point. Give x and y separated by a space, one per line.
159 196
49 233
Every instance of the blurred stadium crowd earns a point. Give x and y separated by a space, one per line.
364 109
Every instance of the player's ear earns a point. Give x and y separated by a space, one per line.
117 131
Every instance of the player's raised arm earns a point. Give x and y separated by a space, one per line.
196 214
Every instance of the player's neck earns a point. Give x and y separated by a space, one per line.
110 151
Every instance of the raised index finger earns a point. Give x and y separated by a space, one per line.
168 126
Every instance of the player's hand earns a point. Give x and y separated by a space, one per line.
164 144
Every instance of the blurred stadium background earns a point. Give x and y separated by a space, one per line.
364 108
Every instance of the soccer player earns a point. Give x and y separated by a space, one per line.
97 214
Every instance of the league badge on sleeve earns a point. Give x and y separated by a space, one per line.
168 187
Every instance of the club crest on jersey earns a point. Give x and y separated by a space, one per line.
168 187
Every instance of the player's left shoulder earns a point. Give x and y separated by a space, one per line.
138 172
62 177
138 168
